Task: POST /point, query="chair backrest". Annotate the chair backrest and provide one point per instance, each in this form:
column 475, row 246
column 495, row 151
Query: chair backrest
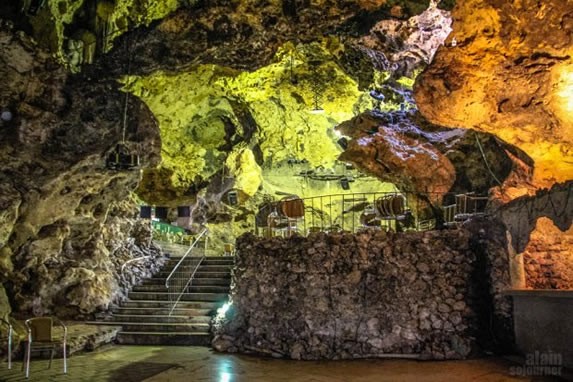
column 41, row 328
column 292, row 207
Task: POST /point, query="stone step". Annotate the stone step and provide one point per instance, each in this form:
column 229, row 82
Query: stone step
column 159, row 338
column 164, row 311
column 163, row 327
column 162, row 296
column 191, row 289
column 196, row 281
column 202, row 268
column 200, row 274
column 158, row 304
column 223, row 260
column 181, row 319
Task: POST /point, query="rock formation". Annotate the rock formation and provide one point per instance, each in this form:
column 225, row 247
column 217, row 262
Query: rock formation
column 506, row 69
column 62, row 216
column 424, row 159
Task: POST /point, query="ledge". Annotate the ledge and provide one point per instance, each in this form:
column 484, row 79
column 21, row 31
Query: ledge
column 552, row 293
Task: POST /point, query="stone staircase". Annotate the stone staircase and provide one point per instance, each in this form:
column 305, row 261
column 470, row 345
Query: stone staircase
column 145, row 319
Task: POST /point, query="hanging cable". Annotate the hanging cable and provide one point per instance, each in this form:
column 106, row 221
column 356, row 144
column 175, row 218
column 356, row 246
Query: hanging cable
column 485, row 160
column 124, row 123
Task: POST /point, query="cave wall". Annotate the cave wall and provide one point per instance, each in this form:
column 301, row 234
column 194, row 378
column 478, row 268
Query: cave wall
column 64, row 215
column 540, row 228
column 521, row 215
column 341, row 296
column 548, row 257
column 507, row 69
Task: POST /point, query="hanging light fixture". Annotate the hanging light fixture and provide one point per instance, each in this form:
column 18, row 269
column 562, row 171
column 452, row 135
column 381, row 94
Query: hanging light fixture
column 121, row 158
column 317, row 88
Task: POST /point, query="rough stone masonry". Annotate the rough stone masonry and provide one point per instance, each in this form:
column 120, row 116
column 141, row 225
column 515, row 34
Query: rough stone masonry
column 342, row 295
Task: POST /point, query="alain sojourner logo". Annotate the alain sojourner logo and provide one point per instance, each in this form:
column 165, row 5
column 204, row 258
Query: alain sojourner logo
column 539, row 364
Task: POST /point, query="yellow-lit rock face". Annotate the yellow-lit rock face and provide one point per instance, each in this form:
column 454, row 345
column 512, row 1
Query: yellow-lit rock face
column 245, row 171
column 507, row 69
column 109, row 18
column 211, row 116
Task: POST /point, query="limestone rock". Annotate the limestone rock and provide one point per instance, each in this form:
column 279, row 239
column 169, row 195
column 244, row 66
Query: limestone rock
column 56, row 250
column 508, row 74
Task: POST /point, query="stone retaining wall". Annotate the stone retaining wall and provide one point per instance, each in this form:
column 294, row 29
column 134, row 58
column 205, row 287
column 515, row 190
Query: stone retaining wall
column 343, row 296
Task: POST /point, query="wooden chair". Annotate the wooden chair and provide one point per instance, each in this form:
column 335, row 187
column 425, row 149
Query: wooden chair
column 40, row 338
column 9, row 340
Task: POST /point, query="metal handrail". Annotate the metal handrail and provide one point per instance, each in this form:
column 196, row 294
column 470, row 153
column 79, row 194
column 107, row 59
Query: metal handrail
column 134, row 260
column 10, row 331
column 177, row 276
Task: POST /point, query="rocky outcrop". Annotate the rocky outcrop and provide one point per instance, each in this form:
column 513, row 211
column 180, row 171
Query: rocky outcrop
column 521, row 215
column 424, row 159
column 60, row 215
column 504, row 71
column 366, row 295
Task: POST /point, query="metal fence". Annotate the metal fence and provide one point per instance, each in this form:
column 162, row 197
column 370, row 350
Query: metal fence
column 357, row 211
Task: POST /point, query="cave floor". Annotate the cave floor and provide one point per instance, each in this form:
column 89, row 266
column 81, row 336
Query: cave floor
column 162, row 364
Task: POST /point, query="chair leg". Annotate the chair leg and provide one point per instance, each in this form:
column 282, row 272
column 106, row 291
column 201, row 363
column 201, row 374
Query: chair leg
column 51, row 357
column 65, row 359
column 28, row 351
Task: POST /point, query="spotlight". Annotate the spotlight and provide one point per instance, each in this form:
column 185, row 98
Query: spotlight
column 343, row 143
column 344, row 183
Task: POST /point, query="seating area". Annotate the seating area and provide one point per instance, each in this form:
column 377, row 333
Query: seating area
column 78, row 336
column 353, row 212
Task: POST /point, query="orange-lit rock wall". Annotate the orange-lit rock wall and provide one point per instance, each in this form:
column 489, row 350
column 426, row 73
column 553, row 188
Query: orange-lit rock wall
column 507, row 69
column 548, row 257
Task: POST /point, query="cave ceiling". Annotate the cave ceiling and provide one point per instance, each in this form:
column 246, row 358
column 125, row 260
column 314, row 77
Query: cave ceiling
column 224, row 78
column 215, row 94
column 509, row 72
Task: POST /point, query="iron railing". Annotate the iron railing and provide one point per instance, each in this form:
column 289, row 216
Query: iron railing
column 352, row 212
column 465, row 207
column 184, row 271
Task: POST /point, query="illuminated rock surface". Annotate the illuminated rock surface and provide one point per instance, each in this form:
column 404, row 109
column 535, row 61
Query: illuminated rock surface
column 510, row 73
column 421, row 158
column 548, row 257
column 65, row 218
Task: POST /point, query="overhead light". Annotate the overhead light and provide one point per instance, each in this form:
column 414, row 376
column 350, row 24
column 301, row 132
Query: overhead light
column 317, row 110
